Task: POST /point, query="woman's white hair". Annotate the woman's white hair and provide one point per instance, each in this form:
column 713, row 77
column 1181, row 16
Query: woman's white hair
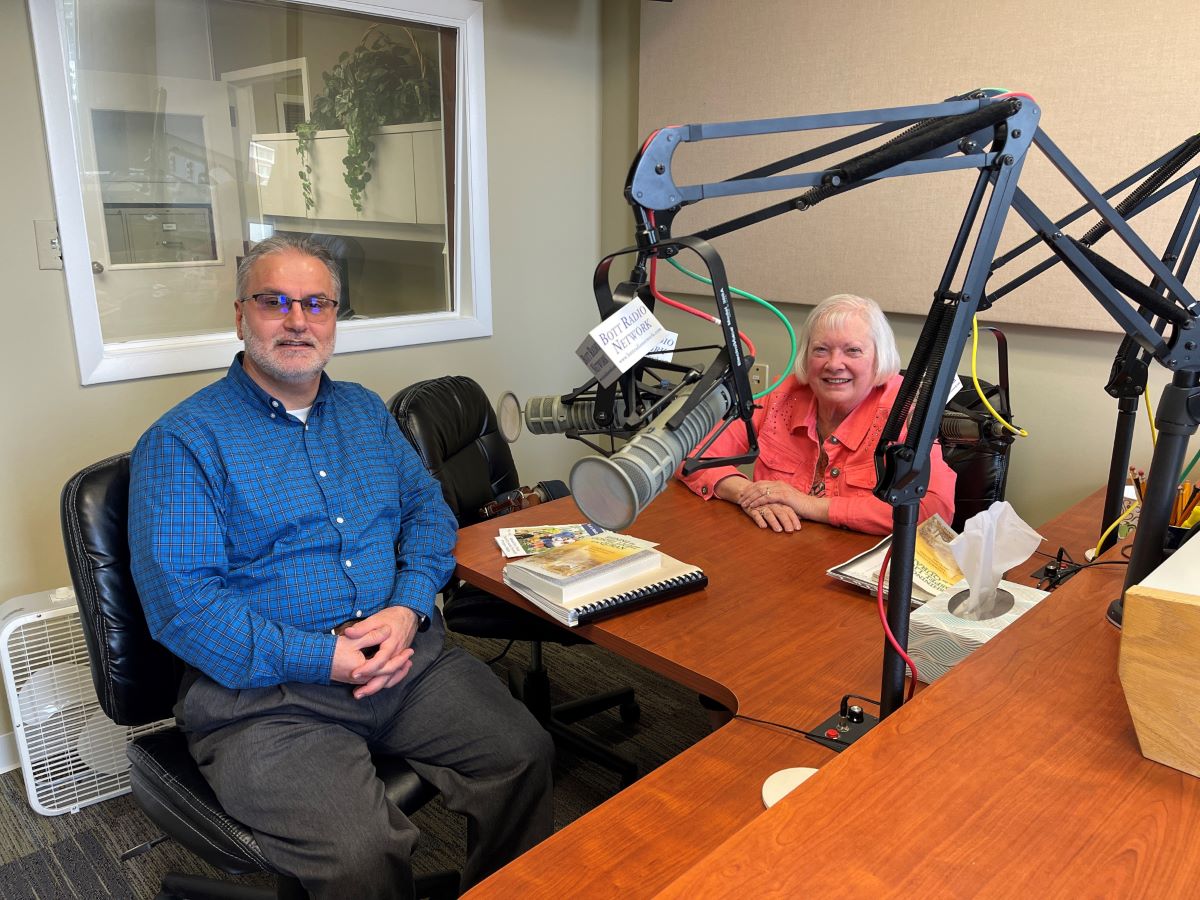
column 833, row 313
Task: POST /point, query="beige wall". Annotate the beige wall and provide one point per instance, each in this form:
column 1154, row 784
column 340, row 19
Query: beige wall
column 543, row 111
column 1110, row 111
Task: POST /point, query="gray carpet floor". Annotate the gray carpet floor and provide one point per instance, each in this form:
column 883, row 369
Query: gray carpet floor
column 77, row 855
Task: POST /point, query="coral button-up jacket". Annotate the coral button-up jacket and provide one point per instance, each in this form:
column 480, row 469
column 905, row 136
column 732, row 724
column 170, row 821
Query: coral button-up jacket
column 788, row 451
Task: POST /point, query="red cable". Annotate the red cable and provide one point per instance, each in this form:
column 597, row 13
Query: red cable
column 1028, row 97
column 887, row 631
column 658, row 295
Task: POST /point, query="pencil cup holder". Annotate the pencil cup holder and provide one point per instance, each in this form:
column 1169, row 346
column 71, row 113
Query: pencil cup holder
column 1175, row 536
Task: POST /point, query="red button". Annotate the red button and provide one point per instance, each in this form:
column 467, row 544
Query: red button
column 832, row 734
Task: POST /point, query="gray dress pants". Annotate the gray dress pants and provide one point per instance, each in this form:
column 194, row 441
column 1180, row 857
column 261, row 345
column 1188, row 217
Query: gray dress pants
column 293, row 764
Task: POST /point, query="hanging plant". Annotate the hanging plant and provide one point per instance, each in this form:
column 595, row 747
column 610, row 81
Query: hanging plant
column 379, row 82
column 305, row 133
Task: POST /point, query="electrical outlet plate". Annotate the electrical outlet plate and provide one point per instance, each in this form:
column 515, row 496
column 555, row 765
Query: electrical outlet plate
column 759, row 377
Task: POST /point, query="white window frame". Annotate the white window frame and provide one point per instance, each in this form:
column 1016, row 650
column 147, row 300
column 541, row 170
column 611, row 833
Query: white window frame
column 472, row 317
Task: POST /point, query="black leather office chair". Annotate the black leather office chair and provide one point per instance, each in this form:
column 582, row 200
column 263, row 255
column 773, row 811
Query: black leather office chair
column 452, row 425
column 137, row 680
column 974, row 445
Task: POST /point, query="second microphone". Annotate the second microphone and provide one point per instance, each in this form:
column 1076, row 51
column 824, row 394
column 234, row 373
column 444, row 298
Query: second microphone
column 613, row 491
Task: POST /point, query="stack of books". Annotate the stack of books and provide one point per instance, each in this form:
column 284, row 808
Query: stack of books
column 598, row 576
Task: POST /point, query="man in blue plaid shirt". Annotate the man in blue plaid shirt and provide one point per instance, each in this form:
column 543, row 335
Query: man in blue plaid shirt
column 287, row 544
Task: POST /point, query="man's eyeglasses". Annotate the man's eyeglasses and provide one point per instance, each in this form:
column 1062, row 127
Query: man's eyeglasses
column 277, row 306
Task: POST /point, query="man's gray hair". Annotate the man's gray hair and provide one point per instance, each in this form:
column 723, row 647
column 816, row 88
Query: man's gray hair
column 833, row 313
column 297, row 243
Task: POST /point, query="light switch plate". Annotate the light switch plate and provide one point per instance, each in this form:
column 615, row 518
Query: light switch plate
column 49, row 250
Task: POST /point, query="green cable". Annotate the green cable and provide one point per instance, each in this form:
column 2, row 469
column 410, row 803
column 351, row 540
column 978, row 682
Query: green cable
column 786, row 324
column 1190, row 466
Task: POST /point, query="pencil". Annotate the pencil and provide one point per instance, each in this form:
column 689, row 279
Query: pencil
column 1138, row 486
column 1177, row 507
column 1192, row 502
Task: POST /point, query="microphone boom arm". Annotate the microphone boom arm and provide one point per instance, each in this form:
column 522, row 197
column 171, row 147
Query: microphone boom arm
column 932, row 138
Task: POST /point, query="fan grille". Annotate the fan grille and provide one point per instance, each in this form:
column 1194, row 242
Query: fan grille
column 72, row 755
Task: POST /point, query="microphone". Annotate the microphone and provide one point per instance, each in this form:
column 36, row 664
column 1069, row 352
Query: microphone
column 962, row 428
column 613, row 491
column 549, row 415
column 522, row 497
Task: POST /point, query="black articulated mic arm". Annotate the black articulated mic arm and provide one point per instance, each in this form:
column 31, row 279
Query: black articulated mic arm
column 985, row 130
column 1130, row 369
column 988, row 131
column 1163, row 324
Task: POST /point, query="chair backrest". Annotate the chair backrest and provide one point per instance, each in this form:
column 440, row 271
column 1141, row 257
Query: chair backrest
column 980, row 464
column 451, row 424
column 136, row 678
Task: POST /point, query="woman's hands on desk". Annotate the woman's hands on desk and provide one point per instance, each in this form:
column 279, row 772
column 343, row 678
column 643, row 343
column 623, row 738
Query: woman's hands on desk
column 772, row 494
column 765, row 507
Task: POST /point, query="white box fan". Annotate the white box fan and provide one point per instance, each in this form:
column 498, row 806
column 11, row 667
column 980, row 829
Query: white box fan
column 72, row 754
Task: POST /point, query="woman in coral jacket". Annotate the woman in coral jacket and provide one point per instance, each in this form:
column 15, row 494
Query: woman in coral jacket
column 817, row 431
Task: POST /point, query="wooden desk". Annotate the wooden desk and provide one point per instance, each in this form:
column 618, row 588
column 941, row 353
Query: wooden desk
column 772, row 636
column 1018, row 775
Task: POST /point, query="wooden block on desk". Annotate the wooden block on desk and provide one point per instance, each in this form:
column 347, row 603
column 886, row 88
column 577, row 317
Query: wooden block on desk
column 1160, row 661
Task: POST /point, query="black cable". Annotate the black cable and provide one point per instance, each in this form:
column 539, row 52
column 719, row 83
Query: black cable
column 819, row 738
column 870, row 700
column 1073, row 569
column 499, row 656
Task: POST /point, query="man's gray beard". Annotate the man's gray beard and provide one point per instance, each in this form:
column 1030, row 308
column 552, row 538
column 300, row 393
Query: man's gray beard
column 257, row 351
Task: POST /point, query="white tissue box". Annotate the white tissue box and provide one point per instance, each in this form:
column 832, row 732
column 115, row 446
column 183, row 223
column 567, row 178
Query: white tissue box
column 938, row 639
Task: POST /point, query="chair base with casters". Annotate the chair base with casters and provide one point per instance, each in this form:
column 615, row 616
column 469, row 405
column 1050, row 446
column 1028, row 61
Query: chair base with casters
column 532, row 687
column 451, row 424
column 136, row 680
column 470, row 611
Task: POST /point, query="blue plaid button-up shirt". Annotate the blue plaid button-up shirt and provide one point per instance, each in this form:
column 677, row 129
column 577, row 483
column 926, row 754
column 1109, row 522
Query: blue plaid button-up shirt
column 253, row 533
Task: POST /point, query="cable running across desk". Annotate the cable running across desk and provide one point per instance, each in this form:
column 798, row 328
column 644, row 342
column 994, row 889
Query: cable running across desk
column 819, row 738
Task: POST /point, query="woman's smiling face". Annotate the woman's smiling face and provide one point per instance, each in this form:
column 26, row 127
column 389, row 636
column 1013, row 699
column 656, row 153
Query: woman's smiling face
column 841, row 367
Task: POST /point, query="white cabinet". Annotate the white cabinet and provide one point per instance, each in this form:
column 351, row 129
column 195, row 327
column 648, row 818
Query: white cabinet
column 277, row 168
column 430, row 177
column 407, row 183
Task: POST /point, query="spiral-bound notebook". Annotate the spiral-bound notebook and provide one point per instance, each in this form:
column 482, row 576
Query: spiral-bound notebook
column 670, row 579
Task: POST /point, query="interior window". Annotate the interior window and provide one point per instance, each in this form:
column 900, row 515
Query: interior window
column 199, row 128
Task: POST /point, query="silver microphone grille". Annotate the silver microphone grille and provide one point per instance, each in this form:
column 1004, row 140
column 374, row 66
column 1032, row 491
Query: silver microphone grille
column 549, row 415
column 613, row 492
